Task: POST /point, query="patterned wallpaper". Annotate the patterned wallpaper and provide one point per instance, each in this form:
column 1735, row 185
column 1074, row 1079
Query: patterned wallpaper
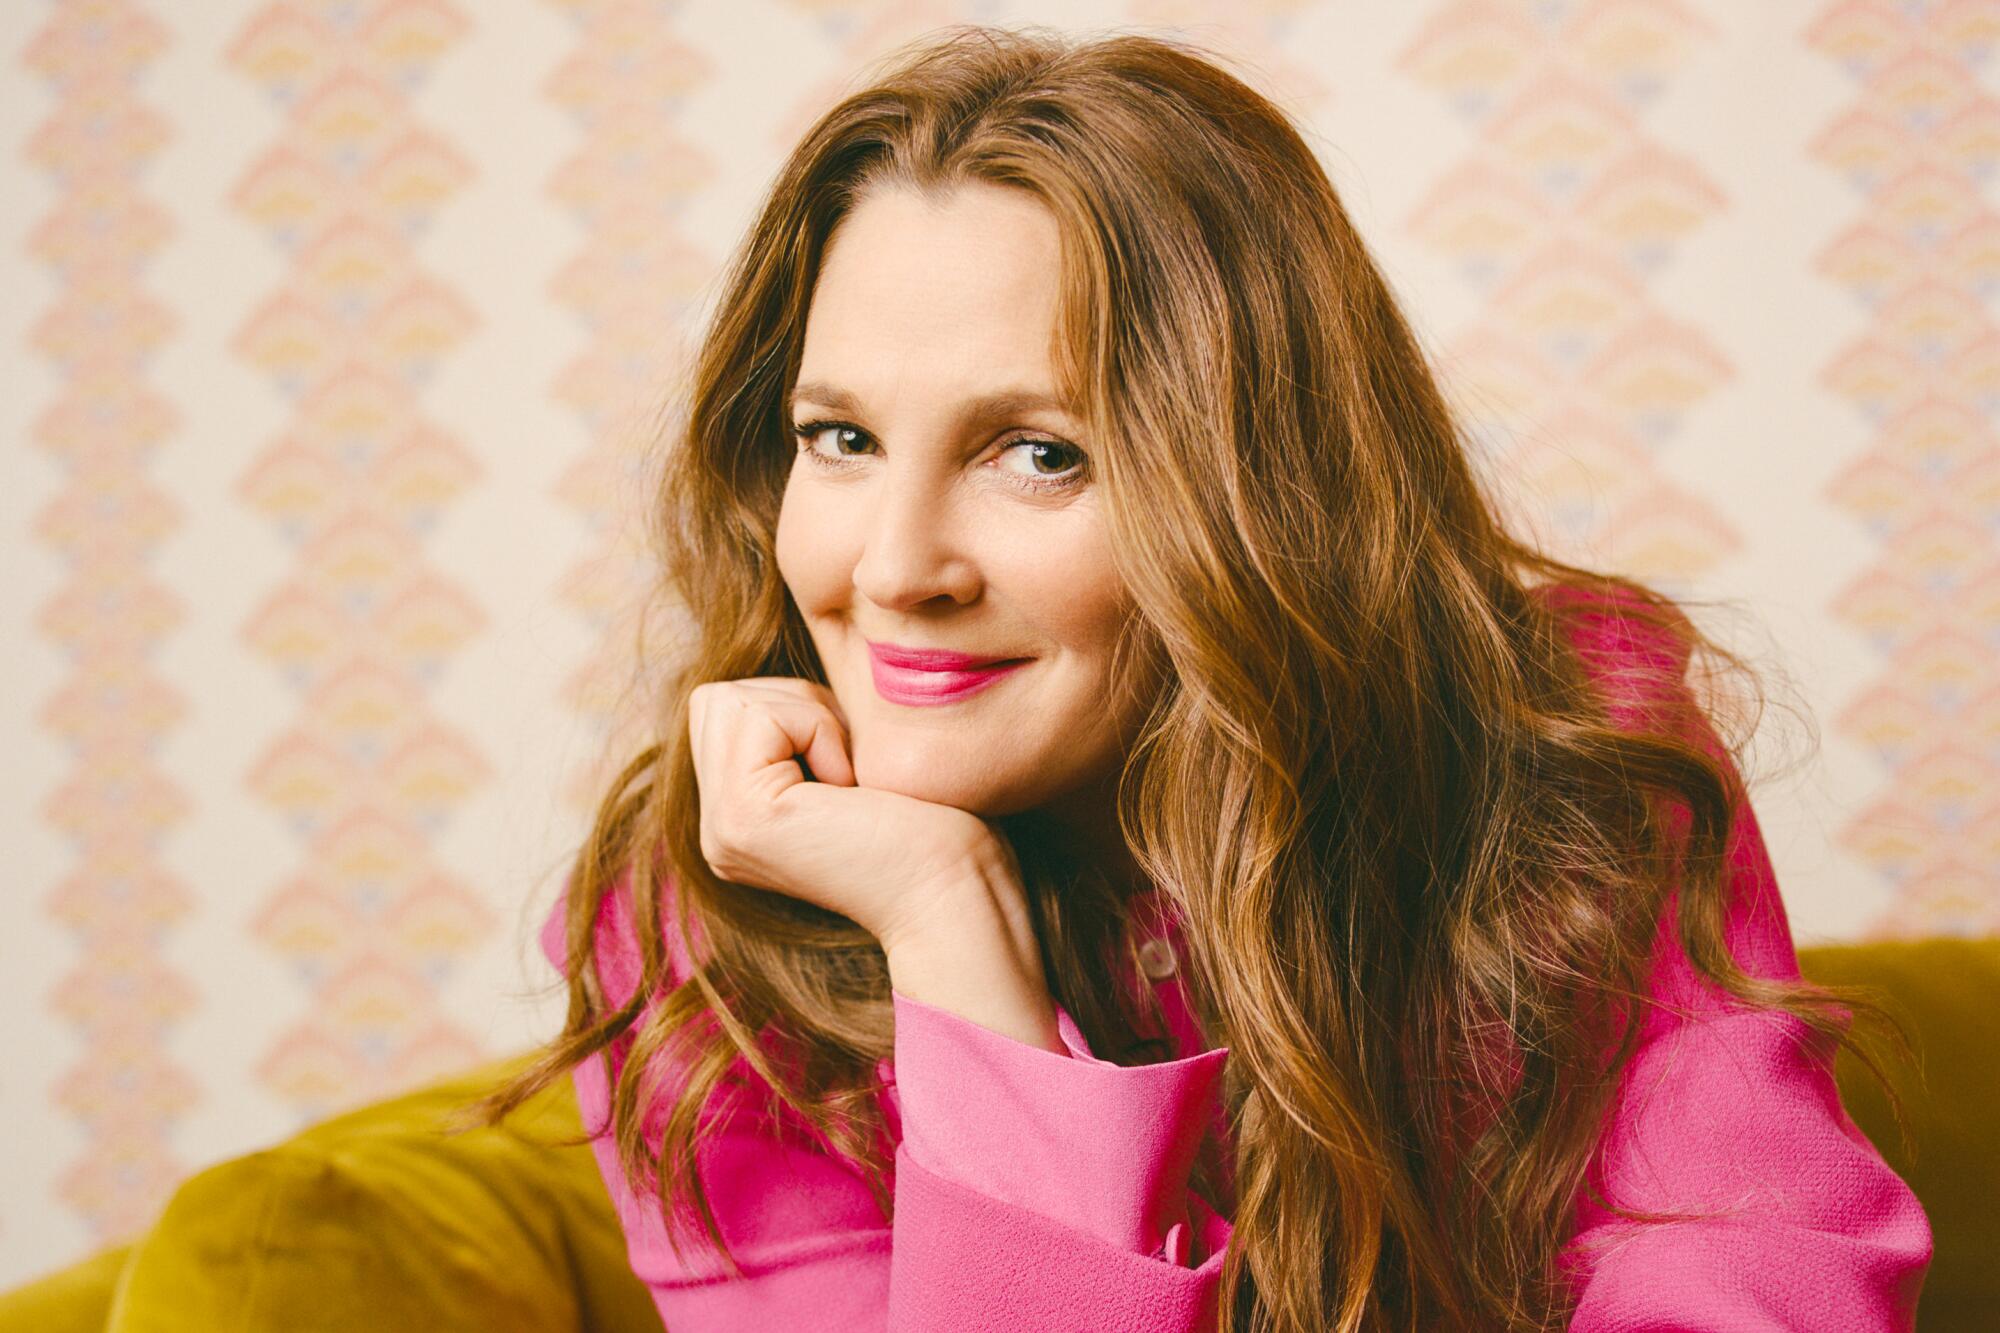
column 335, row 331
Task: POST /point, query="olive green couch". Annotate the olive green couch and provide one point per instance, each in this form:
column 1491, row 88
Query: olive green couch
column 377, row 1221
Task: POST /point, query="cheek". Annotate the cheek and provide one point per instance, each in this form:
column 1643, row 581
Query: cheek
column 1072, row 591
column 803, row 544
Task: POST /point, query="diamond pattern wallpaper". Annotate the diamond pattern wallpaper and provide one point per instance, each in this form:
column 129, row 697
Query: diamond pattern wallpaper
column 337, row 333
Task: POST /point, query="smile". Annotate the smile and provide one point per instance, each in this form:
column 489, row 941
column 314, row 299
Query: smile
column 900, row 684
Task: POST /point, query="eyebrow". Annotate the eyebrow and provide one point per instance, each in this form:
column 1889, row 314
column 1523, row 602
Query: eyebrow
column 987, row 407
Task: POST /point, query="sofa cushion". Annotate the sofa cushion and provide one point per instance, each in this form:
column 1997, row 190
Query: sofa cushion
column 380, row 1219
column 76, row 1299
column 1948, row 989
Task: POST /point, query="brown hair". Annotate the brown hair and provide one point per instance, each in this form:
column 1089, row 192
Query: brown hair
column 1377, row 781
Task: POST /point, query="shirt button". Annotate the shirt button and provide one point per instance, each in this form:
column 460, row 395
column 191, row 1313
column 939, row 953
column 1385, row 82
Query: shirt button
column 1156, row 956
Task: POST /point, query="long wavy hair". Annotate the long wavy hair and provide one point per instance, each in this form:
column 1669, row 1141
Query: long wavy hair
column 1419, row 857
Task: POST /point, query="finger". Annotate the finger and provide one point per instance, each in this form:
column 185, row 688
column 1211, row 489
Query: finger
column 800, row 687
column 773, row 730
column 825, row 751
column 813, row 694
column 715, row 698
column 698, row 701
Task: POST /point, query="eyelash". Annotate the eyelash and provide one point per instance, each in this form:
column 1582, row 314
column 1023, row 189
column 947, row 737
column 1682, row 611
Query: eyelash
column 804, row 432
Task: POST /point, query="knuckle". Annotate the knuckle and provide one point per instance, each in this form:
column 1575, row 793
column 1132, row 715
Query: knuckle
column 717, row 852
column 722, row 842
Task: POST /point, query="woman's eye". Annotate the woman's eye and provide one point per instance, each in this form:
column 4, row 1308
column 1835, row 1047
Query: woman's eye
column 1047, row 460
column 809, row 434
column 1042, row 464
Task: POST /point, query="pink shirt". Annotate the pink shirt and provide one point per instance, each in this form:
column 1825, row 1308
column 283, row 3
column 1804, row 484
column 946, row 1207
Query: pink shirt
column 1035, row 1190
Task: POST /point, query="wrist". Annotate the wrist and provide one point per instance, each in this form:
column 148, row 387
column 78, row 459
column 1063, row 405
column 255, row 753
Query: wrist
column 979, row 893
column 974, row 953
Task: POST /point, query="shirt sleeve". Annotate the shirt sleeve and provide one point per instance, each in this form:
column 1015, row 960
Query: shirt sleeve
column 1031, row 1189
column 1045, row 1190
column 1727, row 1109
column 811, row 1243
column 1738, row 1111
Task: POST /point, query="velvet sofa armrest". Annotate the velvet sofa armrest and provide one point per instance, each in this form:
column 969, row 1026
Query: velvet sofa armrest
column 374, row 1219
column 75, row 1299
column 1947, row 990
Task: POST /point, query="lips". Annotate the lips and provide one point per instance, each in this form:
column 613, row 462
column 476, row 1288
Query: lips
column 922, row 676
column 931, row 659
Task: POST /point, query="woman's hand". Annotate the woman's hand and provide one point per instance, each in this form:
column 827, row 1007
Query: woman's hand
column 889, row 862
column 937, row 886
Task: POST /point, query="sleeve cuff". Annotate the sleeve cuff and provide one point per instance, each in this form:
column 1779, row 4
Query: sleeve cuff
column 963, row 1259
column 1099, row 1147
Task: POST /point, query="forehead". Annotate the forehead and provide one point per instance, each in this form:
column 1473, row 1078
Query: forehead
column 937, row 293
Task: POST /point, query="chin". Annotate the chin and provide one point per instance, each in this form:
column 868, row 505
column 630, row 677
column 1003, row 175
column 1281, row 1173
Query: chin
column 940, row 783
column 922, row 773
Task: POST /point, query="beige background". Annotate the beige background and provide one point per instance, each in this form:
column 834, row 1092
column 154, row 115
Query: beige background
column 330, row 335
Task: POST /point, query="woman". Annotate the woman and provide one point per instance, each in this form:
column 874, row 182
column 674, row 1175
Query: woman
column 1132, row 842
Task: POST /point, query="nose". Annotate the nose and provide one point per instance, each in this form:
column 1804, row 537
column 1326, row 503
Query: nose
column 913, row 552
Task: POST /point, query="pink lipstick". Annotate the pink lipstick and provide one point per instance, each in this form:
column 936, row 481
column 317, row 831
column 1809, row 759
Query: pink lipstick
column 922, row 676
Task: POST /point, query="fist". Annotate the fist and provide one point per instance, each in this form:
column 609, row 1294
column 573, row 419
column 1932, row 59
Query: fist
column 892, row 864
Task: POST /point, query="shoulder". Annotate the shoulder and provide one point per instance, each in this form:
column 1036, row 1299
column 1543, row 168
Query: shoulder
column 1636, row 651
column 1621, row 632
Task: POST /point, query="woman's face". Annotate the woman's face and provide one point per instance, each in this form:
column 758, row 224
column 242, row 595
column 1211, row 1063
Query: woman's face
column 941, row 500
